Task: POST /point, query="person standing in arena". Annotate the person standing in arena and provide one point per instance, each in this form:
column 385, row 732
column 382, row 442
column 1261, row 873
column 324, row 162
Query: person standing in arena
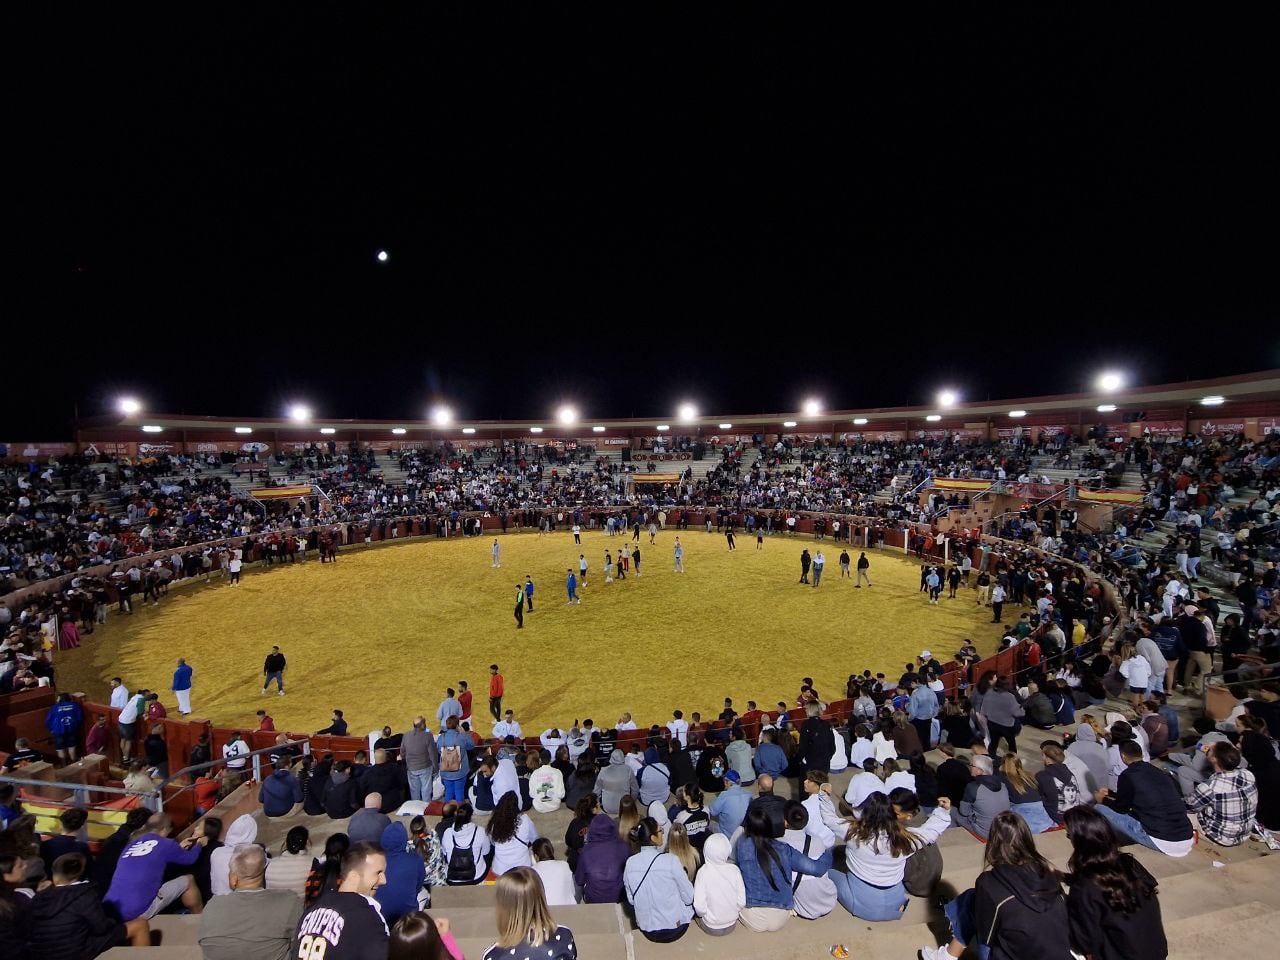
column 528, row 592
column 571, row 587
column 844, row 565
column 234, row 565
column 679, row 554
column 582, row 570
column 635, row 558
column 497, row 553
column 497, row 688
column 577, row 535
column 519, row 611
column 182, row 687
column 273, row 669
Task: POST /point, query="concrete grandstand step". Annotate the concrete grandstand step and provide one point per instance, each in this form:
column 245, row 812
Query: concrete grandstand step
column 1215, row 888
column 1230, row 928
column 800, row 939
column 449, row 898
column 175, row 930
column 481, row 921
column 188, row 952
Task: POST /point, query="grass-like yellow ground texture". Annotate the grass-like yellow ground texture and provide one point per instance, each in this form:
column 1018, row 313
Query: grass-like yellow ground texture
column 381, row 633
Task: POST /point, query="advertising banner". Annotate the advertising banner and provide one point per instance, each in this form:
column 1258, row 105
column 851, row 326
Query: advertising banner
column 1217, row 428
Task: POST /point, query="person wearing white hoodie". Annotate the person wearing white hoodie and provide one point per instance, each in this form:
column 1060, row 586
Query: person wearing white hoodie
column 718, row 891
column 244, row 829
column 546, row 784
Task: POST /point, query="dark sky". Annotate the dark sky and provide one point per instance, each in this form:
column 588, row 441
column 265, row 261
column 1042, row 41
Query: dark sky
column 737, row 208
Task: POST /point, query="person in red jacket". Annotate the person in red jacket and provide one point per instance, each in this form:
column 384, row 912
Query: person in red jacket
column 266, row 724
column 496, row 690
column 464, row 698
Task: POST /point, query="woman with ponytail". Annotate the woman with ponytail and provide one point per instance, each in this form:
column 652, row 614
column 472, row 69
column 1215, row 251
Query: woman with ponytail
column 657, row 886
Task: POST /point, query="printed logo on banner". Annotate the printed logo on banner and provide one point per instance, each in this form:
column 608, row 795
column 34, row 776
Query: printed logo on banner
column 616, row 441
column 256, row 446
column 149, row 448
column 1210, row 429
column 206, row 448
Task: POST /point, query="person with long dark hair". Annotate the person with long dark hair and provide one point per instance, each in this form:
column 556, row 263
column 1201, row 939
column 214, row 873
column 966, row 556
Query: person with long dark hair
column 325, row 870
column 512, row 834
column 417, row 936
column 1016, row 908
column 768, row 868
column 1112, row 906
column 470, row 842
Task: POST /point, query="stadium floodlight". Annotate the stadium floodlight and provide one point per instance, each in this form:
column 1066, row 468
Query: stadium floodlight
column 788, row 423
column 726, row 426
column 687, row 413
column 597, row 429
column 442, row 416
column 934, row 417
column 244, row 429
column 812, row 407
column 1213, row 401
column 299, row 413
column 468, row 429
column 567, row 415
column 383, row 256
column 1017, row 413
column 535, row 429
column 1110, row 381
column 860, row 422
column 398, row 431
column 948, row 398
column 151, row 428
column 328, row 431
column 1107, row 408
column 664, row 427
column 129, row 405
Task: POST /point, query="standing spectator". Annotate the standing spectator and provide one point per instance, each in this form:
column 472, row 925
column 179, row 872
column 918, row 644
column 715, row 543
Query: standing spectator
column 1001, row 711
column 235, row 752
column 464, row 699
column 182, row 687
column 251, row 922
column 526, row 929
column 63, row 721
column 421, row 759
column 998, row 596
column 346, row 920
column 273, row 669
column 497, row 687
column 127, row 725
column 455, row 763
column 1112, row 906
column 817, row 740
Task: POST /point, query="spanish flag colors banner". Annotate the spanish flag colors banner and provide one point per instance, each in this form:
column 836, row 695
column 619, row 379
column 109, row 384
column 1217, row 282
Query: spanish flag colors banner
column 280, row 493
column 961, row 484
column 1111, row 496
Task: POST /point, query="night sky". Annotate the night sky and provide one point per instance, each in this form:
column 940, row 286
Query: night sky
column 734, row 208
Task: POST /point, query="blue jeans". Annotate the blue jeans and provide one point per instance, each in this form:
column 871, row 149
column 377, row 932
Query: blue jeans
column 867, row 902
column 420, row 784
column 1127, row 826
column 277, row 676
column 1035, row 815
column 964, row 922
column 455, row 789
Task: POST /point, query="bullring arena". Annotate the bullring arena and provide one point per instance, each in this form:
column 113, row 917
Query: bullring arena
column 1067, row 506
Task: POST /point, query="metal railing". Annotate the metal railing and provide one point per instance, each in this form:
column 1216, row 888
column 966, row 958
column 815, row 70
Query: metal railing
column 154, row 798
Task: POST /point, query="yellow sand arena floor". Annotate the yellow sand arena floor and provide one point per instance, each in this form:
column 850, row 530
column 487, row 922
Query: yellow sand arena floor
column 381, row 633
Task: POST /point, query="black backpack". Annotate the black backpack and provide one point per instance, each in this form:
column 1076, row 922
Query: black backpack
column 462, row 862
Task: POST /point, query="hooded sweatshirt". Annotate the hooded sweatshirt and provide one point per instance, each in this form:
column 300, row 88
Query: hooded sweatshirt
column 984, row 798
column 1021, row 912
column 68, row 923
column 718, row 891
column 340, row 795
column 1094, row 755
column 279, row 792
column 244, row 829
column 601, row 862
column 406, row 874
column 614, row 782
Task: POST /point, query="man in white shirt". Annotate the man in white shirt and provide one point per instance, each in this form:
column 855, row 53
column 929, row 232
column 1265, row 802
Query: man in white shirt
column 507, row 727
column 127, row 724
column 119, row 694
column 235, row 752
column 863, row 784
column 552, row 740
column 626, row 723
column 679, row 728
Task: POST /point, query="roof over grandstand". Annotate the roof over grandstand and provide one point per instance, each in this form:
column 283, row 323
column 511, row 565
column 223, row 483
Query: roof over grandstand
column 739, row 212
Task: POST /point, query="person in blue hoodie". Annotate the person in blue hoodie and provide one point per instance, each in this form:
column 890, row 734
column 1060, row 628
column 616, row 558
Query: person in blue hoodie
column 406, row 875
column 279, row 792
column 63, row 721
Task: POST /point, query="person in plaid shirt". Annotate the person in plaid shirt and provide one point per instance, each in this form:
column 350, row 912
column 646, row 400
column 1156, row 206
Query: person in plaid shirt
column 1227, row 802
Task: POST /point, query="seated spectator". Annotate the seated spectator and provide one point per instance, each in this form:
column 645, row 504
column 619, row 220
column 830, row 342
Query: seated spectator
column 654, row 781
column 1155, row 727
column 1039, row 710
column 546, row 785
column 615, row 782
column 1090, row 748
column 466, row 849
column 1062, row 785
column 985, row 798
column 386, row 778
column 876, row 858
column 601, row 862
column 557, row 878
column 957, row 729
column 348, row 913
column 730, row 807
column 769, row 757
column 815, row 897
column 280, row 792
column 1259, row 752
column 366, row 824
column 769, row 868
column 67, row 840
column 862, row 785
column 526, row 929
column 342, row 793
column 251, row 922
column 138, row 888
column 581, row 780
column 952, row 775
column 1025, row 798
column 244, row 829
column 1146, row 807
column 1112, row 906
column 67, row 922
column 104, row 864
column 406, row 875
column 718, row 892
column 575, row 835
column 1226, row 804
column 1016, row 909
column 511, row 833
column 327, row 868
column 774, row 806
column 739, row 755
column 416, row 936
column 657, row 885
column 691, row 813
column 288, row 869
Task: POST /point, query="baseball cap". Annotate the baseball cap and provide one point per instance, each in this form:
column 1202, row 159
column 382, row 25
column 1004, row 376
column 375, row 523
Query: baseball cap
column 732, row 776
column 926, row 655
